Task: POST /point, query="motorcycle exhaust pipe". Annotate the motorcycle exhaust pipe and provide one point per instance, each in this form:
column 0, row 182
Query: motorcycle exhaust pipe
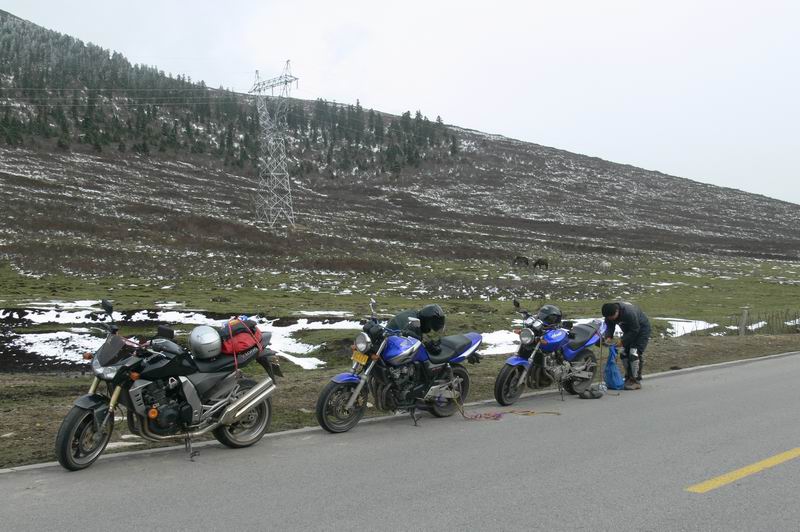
column 147, row 434
column 255, row 395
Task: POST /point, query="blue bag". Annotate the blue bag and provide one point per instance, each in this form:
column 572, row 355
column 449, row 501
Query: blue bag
column 612, row 376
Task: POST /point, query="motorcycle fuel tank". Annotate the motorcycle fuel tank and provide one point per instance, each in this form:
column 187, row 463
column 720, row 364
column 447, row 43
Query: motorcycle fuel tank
column 400, row 350
column 553, row 339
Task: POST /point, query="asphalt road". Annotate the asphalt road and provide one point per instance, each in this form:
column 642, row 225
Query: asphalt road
column 618, row 463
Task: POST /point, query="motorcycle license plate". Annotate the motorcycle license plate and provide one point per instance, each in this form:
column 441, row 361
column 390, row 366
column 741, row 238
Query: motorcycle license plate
column 360, row 357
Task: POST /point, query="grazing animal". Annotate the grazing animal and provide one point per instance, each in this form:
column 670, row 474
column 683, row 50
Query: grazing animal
column 519, row 260
column 605, row 265
column 541, row 263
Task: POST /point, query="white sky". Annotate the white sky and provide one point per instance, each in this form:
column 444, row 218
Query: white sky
column 707, row 90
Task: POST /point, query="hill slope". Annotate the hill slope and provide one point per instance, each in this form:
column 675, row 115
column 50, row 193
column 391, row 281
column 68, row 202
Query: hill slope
column 113, row 168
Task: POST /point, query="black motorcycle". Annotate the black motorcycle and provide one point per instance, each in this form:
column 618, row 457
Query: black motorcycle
column 168, row 395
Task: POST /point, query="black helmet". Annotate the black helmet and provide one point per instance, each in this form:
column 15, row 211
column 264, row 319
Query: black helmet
column 549, row 315
column 431, row 318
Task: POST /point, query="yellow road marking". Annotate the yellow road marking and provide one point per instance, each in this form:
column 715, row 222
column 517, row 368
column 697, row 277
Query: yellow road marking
column 733, row 476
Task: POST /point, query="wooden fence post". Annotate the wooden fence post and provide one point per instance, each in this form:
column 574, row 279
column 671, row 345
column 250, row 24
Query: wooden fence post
column 743, row 321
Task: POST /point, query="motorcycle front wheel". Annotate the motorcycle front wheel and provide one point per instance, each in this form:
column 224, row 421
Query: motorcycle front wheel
column 332, row 412
column 448, row 407
column 506, row 391
column 251, row 427
column 78, row 445
column 578, row 386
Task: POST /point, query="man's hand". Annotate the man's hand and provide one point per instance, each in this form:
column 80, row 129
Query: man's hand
column 612, row 341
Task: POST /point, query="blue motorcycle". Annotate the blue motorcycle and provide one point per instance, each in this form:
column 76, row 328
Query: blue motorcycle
column 550, row 351
column 401, row 373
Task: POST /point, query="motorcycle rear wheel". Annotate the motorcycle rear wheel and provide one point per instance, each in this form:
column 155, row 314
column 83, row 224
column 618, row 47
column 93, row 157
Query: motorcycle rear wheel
column 449, row 407
column 251, row 427
column 332, row 412
column 77, row 444
column 506, row 390
column 578, row 386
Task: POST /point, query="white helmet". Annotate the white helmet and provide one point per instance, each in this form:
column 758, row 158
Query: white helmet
column 205, row 343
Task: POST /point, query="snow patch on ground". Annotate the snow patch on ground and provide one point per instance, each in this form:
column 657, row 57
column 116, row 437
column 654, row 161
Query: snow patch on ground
column 500, row 343
column 680, row 326
column 62, row 345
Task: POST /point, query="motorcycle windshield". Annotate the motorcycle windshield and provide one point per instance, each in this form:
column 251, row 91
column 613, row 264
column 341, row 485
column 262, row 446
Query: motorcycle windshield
column 110, row 351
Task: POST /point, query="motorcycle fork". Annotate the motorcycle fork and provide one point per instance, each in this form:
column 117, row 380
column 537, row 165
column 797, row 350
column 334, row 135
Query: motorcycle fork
column 524, row 375
column 360, row 386
column 94, row 385
column 112, row 405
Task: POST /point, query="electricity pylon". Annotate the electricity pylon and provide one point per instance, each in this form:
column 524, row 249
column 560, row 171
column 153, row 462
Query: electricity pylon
column 274, row 192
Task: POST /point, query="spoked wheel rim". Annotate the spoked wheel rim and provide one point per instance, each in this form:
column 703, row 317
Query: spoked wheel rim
column 85, row 444
column 336, row 413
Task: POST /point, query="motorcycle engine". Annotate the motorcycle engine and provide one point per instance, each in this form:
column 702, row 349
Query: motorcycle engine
column 172, row 410
column 395, row 391
column 403, row 378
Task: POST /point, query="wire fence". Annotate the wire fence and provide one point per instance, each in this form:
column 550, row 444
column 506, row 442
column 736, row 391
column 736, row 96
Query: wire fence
column 764, row 322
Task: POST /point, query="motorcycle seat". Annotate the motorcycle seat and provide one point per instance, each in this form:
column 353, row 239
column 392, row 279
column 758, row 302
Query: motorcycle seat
column 225, row 362
column 450, row 347
column 582, row 333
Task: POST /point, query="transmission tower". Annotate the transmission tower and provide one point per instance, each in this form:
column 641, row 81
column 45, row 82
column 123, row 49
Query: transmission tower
column 274, row 200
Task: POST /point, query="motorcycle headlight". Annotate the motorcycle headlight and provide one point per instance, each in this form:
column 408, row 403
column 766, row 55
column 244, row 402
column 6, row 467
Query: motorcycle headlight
column 363, row 343
column 105, row 373
column 526, row 336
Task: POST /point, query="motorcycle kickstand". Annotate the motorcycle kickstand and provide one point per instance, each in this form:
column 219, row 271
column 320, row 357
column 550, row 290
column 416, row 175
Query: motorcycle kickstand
column 187, row 443
column 561, row 390
column 414, row 416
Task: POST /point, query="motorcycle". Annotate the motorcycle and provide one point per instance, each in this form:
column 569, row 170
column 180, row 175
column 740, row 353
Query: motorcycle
column 167, row 395
column 547, row 355
column 401, row 373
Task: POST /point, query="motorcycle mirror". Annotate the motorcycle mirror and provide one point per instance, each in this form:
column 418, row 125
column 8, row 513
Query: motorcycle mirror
column 107, row 306
column 165, row 332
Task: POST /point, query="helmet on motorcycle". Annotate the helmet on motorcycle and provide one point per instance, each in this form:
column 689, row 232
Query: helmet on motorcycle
column 431, row 318
column 549, row 315
column 204, row 342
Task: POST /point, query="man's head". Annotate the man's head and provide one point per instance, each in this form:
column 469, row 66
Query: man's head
column 611, row 311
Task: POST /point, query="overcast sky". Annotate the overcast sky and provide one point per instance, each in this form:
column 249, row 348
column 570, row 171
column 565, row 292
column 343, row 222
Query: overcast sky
column 701, row 89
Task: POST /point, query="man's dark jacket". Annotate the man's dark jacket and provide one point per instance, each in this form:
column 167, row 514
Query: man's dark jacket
column 634, row 324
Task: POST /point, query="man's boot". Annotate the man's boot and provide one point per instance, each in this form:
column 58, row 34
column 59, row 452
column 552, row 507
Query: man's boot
column 634, row 385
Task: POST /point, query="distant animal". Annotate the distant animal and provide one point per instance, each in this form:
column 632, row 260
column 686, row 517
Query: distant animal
column 541, row 263
column 605, row 265
column 519, row 260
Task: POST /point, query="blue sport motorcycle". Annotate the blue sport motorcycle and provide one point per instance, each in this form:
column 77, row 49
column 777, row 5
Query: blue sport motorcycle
column 556, row 353
column 400, row 373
